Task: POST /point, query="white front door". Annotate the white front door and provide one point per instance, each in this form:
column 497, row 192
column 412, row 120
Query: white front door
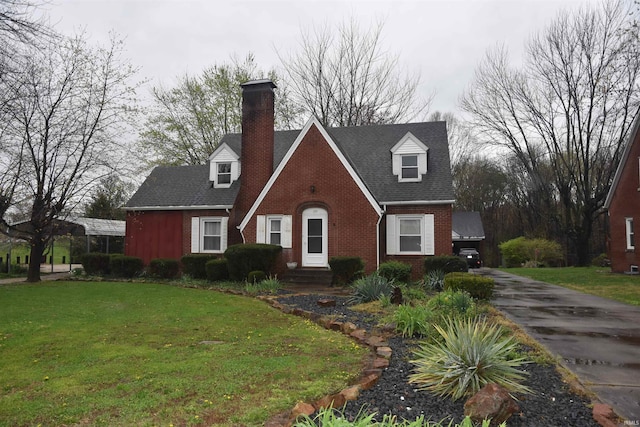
column 314, row 237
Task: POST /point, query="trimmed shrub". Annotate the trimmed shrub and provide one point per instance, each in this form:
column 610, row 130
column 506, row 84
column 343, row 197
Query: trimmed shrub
column 125, row 266
column 370, row 288
column 95, row 264
column 478, row 287
column 164, row 268
column 247, row 257
column 601, row 260
column 397, row 271
column 217, row 270
column 346, row 269
column 471, row 355
column 445, row 263
column 256, row 276
column 534, row 252
column 194, row 265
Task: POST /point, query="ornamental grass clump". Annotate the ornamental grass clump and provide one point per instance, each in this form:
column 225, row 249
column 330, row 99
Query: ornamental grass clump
column 370, row 288
column 471, row 355
column 413, row 321
column 452, row 304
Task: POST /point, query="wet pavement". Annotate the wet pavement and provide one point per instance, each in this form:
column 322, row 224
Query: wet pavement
column 597, row 339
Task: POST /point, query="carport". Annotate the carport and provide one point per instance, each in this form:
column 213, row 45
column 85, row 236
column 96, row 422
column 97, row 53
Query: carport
column 79, row 226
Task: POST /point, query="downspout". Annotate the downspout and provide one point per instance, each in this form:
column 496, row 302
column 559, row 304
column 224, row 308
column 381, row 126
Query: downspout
column 237, row 227
column 384, row 211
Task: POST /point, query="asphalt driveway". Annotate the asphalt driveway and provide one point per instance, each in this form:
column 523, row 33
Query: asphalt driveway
column 598, row 339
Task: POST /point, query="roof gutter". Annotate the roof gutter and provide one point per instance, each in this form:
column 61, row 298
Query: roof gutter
column 176, row 208
column 418, row 202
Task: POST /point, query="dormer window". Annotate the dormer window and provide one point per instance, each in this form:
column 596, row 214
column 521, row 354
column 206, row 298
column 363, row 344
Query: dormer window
column 224, row 173
column 224, row 167
column 409, row 166
column 409, row 159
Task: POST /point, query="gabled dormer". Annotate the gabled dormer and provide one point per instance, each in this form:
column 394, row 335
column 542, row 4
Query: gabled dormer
column 409, row 159
column 224, row 167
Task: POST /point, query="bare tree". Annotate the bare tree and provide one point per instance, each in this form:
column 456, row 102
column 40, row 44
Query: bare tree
column 462, row 143
column 349, row 80
column 60, row 133
column 187, row 121
column 570, row 108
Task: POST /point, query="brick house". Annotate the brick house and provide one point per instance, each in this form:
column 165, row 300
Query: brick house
column 623, row 206
column 379, row 192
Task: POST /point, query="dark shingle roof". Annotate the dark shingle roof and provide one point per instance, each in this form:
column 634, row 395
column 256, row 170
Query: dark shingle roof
column 367, row 148
column 468, row 225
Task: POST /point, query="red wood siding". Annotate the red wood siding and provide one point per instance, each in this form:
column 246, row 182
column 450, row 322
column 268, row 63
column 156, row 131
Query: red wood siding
column 154, row 234
column 315, row 177
column 625, row 204
column 442, row 239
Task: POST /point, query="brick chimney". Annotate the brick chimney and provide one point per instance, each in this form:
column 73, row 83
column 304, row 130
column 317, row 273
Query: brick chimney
column 256, row 159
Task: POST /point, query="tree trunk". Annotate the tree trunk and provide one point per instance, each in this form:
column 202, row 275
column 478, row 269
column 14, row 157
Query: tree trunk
column 37, row 244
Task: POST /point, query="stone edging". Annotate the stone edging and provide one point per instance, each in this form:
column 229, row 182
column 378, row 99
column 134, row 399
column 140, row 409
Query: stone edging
column 381, row 354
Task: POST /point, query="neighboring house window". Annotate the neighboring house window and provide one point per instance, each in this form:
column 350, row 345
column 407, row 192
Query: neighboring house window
column 208, row 234
column 274, row 229
column 410, row 166
column 411, row 234
column 224, row 173
column 630, row 235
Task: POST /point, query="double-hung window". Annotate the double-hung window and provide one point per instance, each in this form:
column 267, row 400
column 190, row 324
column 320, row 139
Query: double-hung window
column 630, row 234
column 274, row 225
column 208, row 234
column 211, row 235
column 224, row 173
column 410, row 166
column 412, row 234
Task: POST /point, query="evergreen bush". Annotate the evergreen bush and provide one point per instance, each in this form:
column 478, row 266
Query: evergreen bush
column 95, row 264
column 217, row 270
column 346, row 269
column 478, row 287
column 397, row 271
column 247, row 257
column 164, row 268
column 125, row 266
column 194, row 265
column 445, row 263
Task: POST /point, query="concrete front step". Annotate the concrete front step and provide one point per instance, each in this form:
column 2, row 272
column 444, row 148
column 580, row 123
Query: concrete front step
column 318, row 276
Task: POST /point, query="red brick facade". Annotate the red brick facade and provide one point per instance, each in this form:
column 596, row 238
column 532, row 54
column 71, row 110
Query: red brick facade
column 442, row 235
column 154, row 234
column 315, row 177
column 624, row 204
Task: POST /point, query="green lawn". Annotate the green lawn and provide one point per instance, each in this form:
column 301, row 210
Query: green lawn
column 591, row 280
column 133, row 354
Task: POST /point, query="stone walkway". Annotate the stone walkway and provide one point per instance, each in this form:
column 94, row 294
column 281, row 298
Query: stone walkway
column 596, row 338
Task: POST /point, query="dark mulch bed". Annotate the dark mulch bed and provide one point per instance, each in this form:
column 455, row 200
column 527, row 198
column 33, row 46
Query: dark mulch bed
column 553, row 403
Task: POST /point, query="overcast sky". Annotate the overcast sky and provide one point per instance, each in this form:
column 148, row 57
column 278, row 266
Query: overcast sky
column 443, row 41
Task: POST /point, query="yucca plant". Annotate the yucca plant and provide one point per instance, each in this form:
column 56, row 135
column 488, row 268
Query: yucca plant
column 270, row 285
column 331, row 417
column 434, row 280
column 471, row 355
column 370, row 288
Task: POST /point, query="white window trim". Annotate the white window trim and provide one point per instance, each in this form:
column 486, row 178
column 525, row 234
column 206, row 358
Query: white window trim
column 418, row 178
column 197, row 234
column 263, row 229
column 629, row 233
column 427, row 232
column 218, row 184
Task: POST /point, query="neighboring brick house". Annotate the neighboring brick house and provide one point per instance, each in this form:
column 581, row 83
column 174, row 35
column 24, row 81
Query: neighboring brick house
column 623, row 206
column 379, row 192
